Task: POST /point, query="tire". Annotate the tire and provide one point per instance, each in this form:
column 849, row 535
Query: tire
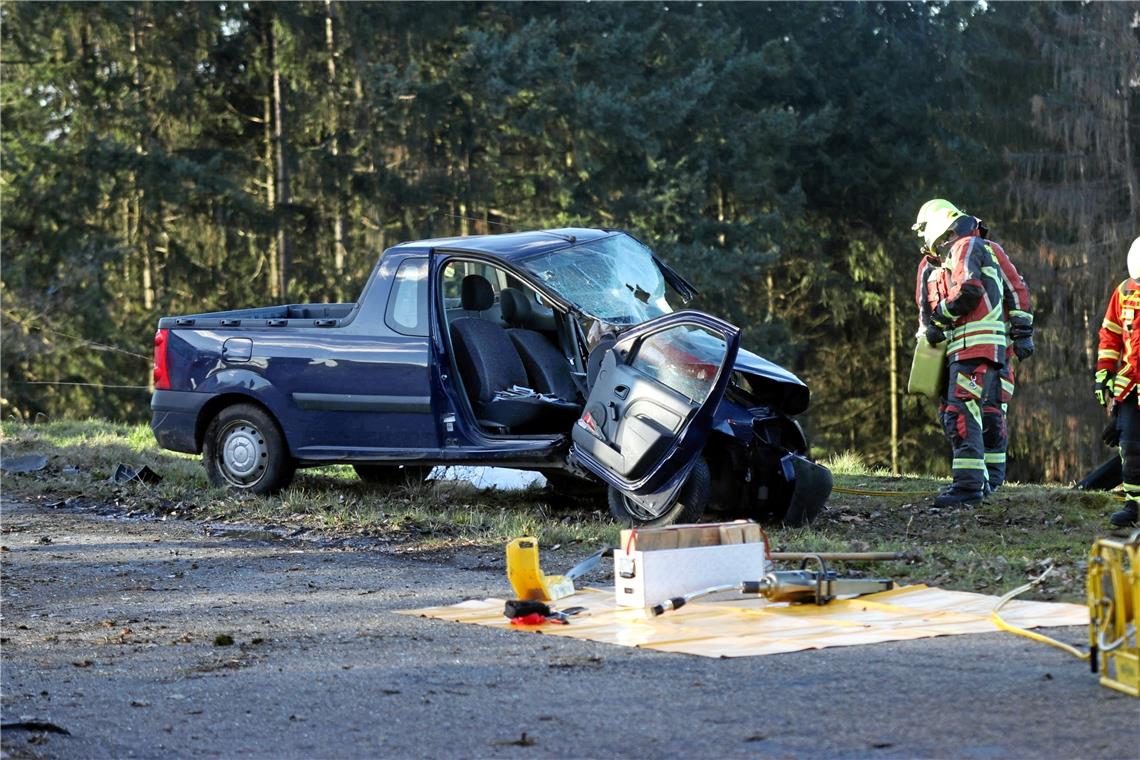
column 689, row 506
column 244, row 449
column 392, row 475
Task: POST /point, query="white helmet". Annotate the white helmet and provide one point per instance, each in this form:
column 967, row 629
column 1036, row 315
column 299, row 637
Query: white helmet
column 941, row 220
column 924, row 213
column 1134, row 260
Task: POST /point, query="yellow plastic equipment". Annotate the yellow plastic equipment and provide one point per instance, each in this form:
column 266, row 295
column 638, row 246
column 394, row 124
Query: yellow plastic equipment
column 527, row 578
column 1114, row 613
column 927, row 369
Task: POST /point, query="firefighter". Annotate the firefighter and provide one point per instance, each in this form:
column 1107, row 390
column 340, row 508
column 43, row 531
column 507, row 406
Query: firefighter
column 1116, row 377
column 1017, row 306
column 964, row 306
column 1017, row 314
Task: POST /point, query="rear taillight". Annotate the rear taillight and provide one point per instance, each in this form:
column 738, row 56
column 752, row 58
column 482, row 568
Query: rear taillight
column 161, row 376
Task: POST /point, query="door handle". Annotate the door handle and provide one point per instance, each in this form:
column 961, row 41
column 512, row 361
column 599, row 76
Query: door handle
column 621, row 391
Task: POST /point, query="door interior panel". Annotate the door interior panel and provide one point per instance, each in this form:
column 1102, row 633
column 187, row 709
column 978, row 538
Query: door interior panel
column 668, row 418
column 652, row 399
column 642, row 441
column 642, row 418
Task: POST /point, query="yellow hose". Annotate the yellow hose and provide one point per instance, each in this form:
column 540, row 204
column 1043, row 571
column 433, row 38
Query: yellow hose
column 996, row 618
column 864, row 492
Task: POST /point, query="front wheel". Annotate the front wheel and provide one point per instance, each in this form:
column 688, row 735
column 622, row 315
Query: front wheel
column 245, row 449
column 688, row 507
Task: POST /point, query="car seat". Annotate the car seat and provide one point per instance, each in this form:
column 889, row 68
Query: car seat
column 488, row 363
column 547, row 367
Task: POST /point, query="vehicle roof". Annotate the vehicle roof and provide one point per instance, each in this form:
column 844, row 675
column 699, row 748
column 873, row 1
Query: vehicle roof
column 508, row 245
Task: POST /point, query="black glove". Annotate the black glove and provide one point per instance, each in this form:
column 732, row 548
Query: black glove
column 522, row 607
column 1019, row 331
column 934, row 334
column 940, row 320
column 1023, row 348
column 1111, row 434
column 1102, row 386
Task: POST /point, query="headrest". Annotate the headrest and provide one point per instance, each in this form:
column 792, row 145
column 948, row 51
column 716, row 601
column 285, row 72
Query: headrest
column 476, row 293
column 515, row 307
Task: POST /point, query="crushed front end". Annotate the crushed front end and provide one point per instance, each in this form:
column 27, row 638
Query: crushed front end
column 759, row 453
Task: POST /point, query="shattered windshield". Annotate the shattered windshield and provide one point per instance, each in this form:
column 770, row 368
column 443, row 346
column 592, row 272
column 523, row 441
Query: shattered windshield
column 614, row 280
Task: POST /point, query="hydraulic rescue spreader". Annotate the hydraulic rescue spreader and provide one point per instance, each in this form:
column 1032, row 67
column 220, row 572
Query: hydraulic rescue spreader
column 1114, row 613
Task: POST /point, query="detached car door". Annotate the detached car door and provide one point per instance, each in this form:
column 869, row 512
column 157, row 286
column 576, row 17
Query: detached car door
column 651, row 407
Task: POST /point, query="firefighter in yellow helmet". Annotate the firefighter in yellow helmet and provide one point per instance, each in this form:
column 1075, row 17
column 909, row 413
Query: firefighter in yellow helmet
column 1116, row 377
column 974, row 343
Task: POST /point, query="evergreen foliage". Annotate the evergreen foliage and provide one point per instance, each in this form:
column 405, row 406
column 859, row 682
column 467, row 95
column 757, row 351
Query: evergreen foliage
column 162, row 158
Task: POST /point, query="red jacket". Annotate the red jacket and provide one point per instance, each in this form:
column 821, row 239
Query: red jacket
column 1120, row 338
column 971, row 300
column 1015, row 294
column 929, row 288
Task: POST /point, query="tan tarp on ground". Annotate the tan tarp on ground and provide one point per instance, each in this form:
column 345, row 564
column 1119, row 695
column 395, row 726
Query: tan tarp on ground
column 742, row 627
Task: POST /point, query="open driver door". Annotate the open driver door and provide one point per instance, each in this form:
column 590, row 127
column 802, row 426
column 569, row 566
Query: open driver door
column 651, row 407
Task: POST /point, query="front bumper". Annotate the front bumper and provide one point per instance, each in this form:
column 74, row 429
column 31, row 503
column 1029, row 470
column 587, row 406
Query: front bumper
column 174, row 419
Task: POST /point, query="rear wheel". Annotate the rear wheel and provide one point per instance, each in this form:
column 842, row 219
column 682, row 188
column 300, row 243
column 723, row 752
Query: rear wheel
column 243, row 448
column 392, row 475
column 689, row 506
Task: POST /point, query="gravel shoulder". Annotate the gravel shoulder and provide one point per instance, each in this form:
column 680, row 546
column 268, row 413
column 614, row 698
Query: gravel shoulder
column 118, row 632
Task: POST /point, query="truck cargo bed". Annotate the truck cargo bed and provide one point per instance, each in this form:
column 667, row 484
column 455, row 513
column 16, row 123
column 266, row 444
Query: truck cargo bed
column 290, row 315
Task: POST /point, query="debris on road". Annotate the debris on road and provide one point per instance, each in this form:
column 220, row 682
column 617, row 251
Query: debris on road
column 126, row 474
column 25, row 463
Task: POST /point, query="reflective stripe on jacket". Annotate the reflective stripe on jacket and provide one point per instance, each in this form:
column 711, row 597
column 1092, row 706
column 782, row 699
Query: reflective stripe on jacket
column 1119, row 349
column 974, row 300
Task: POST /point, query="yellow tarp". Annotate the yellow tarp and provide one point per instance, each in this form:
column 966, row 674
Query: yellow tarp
column 743, row 627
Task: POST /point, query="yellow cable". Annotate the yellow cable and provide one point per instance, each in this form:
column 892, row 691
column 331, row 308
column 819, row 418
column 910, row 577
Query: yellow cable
column 864, row 492
column 996, row 618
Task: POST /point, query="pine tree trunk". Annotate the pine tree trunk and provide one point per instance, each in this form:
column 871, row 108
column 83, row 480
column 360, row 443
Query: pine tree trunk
column 1130, row 162
column 279, row 137
column 141, row 240
column 271, row 196
column 893, row 335
column 339, row 254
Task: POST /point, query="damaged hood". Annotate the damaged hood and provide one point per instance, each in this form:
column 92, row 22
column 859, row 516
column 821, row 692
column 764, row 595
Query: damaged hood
column 792, row 393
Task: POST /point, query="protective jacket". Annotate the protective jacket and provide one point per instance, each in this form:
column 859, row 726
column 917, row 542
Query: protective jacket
column 1016, row 300
column 929, row 288
column 1018, row 308
column 1119, row 350
column 972, row 303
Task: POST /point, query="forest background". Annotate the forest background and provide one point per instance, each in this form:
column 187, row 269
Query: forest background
column 166, row 158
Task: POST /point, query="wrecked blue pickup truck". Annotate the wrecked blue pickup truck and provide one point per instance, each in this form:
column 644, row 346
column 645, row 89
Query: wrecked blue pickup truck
column 555, row 351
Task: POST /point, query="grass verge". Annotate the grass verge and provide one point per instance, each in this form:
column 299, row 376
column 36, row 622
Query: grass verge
column 1015, row 535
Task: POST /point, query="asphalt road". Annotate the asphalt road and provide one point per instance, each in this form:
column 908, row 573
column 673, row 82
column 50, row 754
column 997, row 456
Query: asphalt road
column 109, row 632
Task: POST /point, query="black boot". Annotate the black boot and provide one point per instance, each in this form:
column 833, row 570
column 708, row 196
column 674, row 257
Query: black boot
column 952, row 497
column 1124, row 518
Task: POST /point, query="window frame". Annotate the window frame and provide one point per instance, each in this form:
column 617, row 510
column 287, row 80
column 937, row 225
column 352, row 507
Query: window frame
column 422, row 328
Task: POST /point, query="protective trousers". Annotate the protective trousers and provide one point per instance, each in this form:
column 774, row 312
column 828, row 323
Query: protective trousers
column 1128, row 422
column 972, row 418
column 995, row 433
